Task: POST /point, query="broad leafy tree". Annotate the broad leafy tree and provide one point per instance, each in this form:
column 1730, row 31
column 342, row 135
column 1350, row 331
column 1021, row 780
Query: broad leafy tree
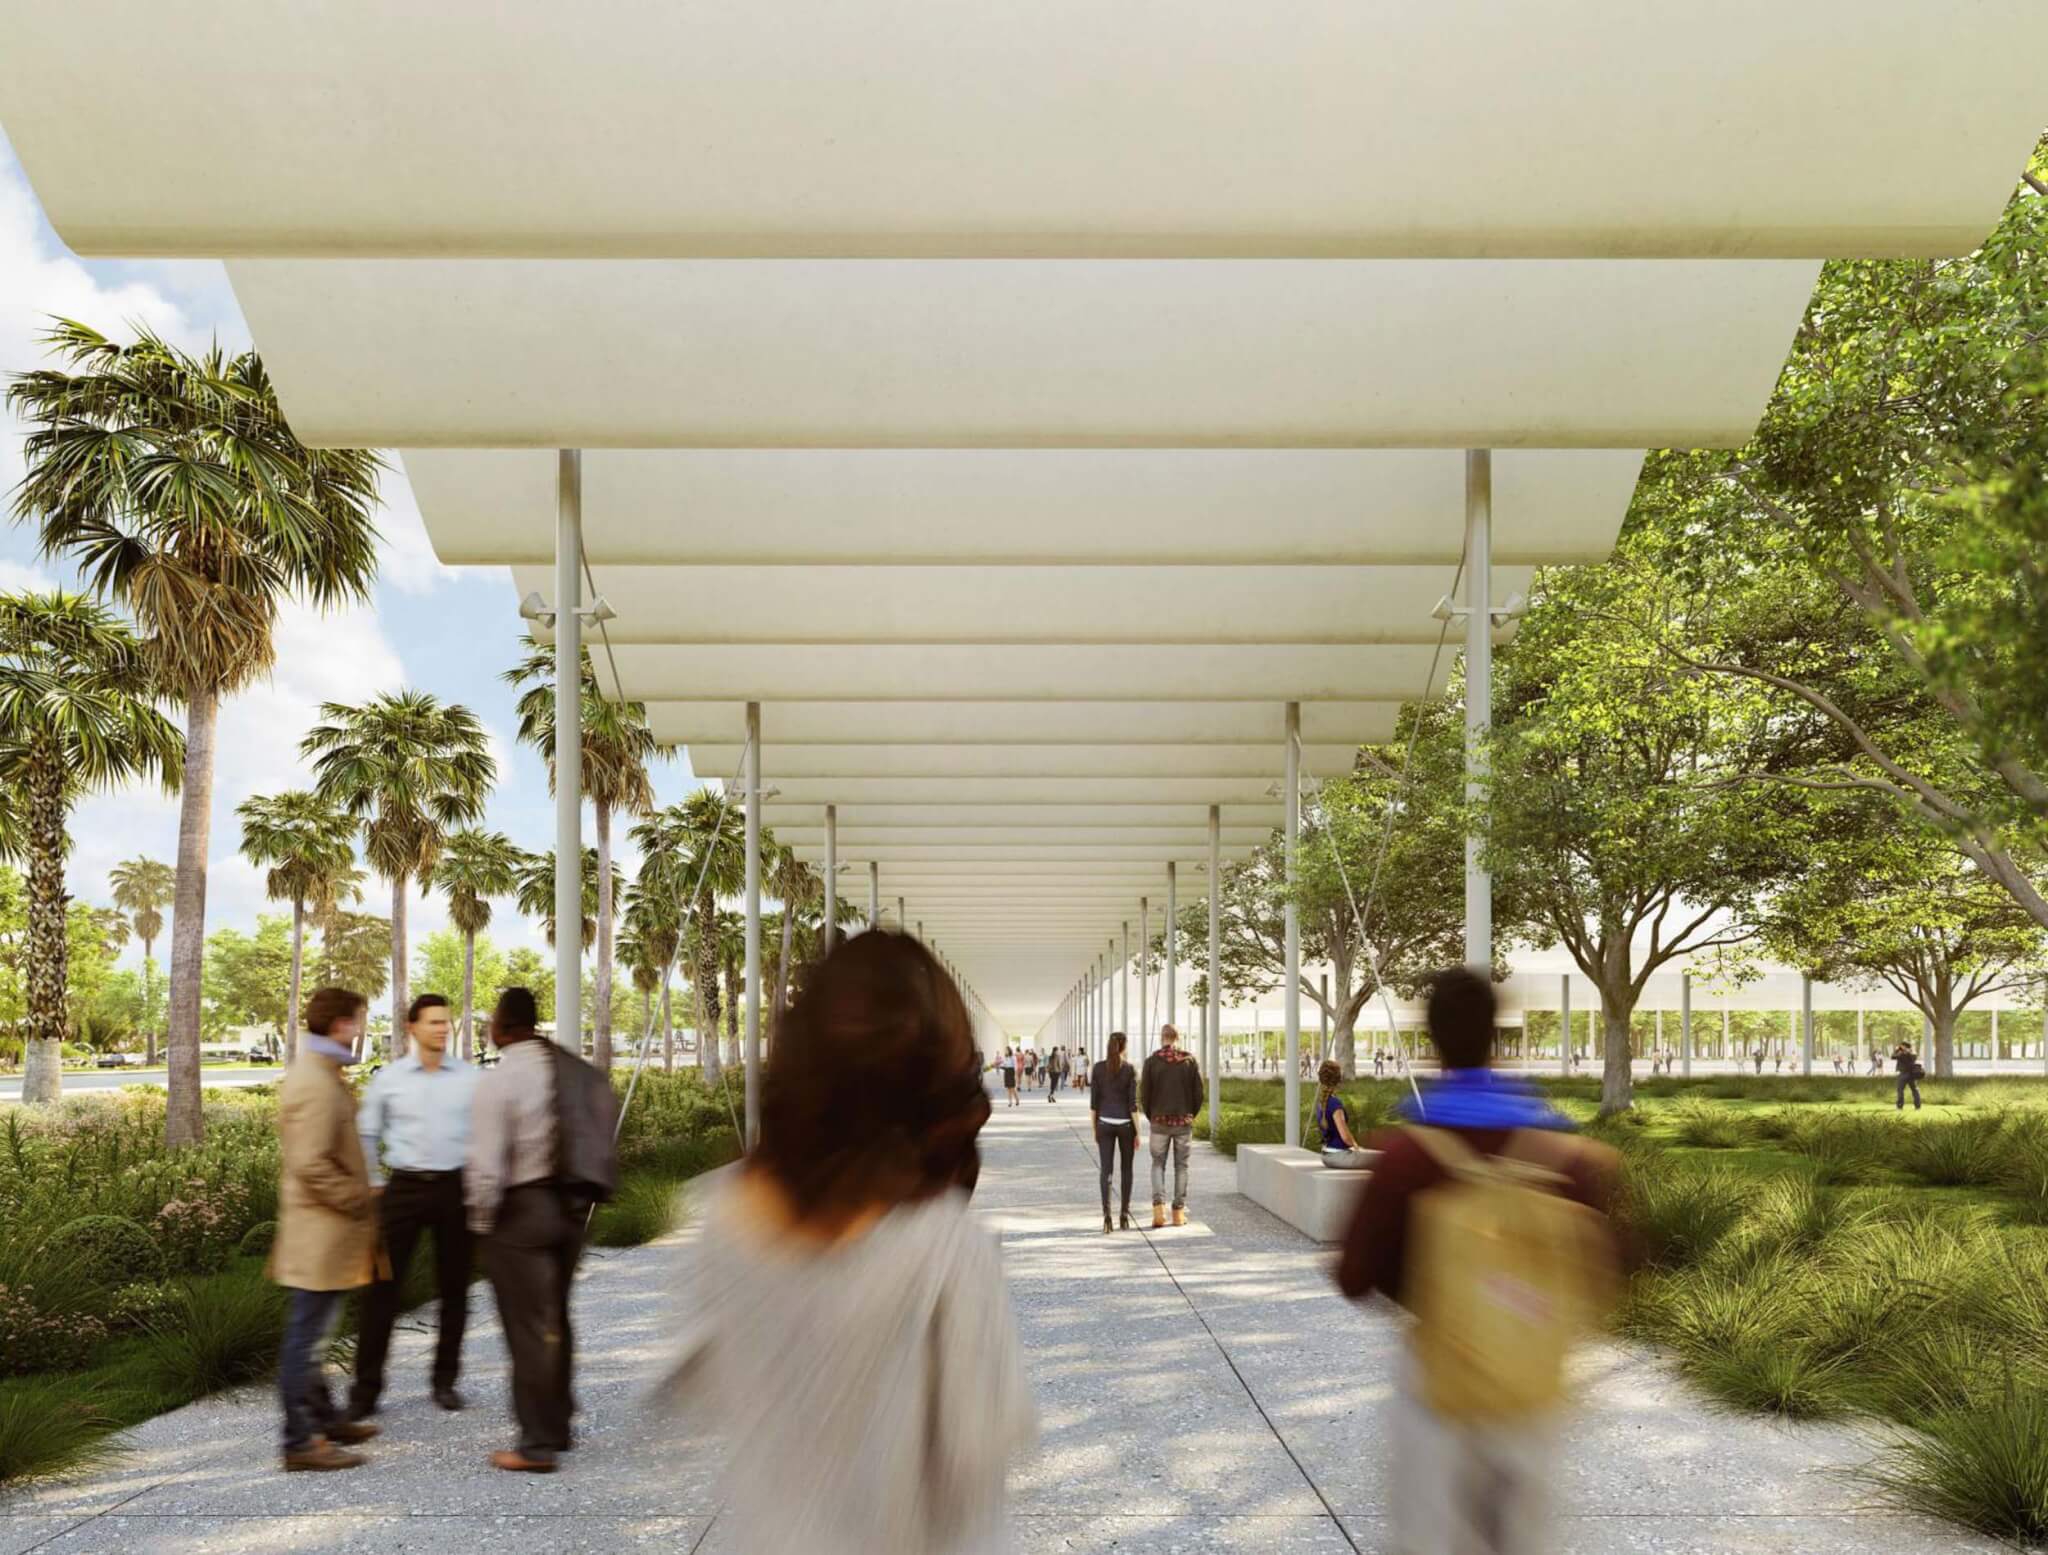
column 175, row 486
column 1618, row 822
column 355, row 952
column 618, row 748
column 475, row 866
column 307, row 847
column 412, row 769
column 78, row 714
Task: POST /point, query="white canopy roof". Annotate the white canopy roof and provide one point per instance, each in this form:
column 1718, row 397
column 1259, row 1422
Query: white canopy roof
column 981, row 128
column 1023, row 402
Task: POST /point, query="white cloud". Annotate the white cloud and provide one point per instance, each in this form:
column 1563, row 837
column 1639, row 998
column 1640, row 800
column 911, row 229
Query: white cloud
column 405, row 556
column 21, row 578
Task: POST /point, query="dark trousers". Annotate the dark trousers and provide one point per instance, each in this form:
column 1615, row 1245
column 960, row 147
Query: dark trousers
column 1113, row 1141
column 530, row 1257
column 301, row 1388
column 1906, row 1082
column 411, row 1204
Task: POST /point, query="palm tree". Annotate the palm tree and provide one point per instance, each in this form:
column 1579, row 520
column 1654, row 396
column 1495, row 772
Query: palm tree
column 536, row 892
column 654, row 926
column 177, row 488
column 77, row 714
column 143, row 888
column 617, row 748
column 474, row 867
column 693, row 853
column 309, row 846
column 412, row 769
column 791, row 882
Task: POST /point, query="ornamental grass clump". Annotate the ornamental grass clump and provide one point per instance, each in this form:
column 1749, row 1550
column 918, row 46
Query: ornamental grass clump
column 1676, row 1215
column 1703, row 1126
column 216, row 1334
column 1985, row 1466
column 1969, row 1152
column 53, row 1426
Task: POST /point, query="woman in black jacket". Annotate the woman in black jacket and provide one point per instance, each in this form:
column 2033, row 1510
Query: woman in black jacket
column 1113, row 1110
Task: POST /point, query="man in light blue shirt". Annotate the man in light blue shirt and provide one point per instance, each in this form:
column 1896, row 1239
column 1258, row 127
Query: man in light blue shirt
column 414, row 1123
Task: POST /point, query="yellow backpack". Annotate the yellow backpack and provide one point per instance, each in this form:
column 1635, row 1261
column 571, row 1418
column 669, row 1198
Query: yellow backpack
column 1503, row 1274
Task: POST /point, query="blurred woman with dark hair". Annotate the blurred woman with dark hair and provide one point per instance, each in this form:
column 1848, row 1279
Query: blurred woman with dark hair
column 844, row 1311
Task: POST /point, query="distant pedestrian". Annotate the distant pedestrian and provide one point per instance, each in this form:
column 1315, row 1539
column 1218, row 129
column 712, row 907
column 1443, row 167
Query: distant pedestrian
column 1170, row 1093
column 1379, row 1063
column 1876, row 1060
column 540, row 1155
column 414, row 1123
column 1759, row 1055
column 326, row 1243
column 1113, row 1117
column 1490, row 1193
column 846, row 1328
column 1055, row 1073
column 1910, row 1073
column 1007, row 1065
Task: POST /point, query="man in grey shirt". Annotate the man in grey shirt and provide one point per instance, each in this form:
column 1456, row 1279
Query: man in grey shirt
column 531, row 1236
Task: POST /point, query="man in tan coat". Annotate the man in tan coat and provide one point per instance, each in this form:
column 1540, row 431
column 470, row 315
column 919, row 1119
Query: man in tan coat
column 326, row 1226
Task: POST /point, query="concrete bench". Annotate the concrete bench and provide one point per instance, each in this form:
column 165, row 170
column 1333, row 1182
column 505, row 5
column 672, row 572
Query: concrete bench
column 1316, row 1200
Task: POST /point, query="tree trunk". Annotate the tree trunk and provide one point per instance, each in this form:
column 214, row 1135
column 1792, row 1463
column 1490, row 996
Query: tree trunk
column 601, row 1012
column 733, row 993
column 42, row 1070
column 782, row 968
column 398, row 989
column 1344, row 1018
column 468, row 998
column 1617, row 1077
column 707, row 1016
column 291, row 1023
column 148, row 1003
column 1944, row 1064
column 183, row 1121
column 668, row 1033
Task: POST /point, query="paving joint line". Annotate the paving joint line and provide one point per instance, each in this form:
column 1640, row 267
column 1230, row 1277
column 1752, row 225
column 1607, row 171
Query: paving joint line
column 1300, row 1468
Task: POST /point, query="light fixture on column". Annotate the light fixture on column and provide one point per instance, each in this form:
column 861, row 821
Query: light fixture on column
column 536, row 609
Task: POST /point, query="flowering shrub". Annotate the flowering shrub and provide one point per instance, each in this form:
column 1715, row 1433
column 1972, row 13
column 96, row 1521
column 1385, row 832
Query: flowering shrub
column 199, row 1228
column 34, row 1340
column 138, row 1305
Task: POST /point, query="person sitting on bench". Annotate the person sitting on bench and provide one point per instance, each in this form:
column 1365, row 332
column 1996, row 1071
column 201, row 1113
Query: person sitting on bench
column 1340, row 1150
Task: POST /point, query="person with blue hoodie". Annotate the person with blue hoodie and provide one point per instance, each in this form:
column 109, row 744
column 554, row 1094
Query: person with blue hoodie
column 1478, row 1487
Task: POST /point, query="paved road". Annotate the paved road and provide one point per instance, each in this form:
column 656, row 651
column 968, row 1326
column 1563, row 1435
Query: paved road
column 76, row 1083
column 1201, row 1391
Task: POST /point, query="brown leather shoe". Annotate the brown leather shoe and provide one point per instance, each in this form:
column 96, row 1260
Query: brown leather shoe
column 1158, row 1216
column 353, row 1431
column 1180, row 1217
column 321, row 1456
column 513, row 1461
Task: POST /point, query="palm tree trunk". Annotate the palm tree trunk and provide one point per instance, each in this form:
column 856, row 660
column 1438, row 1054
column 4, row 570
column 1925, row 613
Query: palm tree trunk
column 468, row 997
column 291, row 1025
column 733, row 993
column 398, row 967
column 668, row 1033
column 706, row 980
column 601, row 1042
column 149, row 1002
column 782, row 964
column 183, row 1123
column 42, row 1072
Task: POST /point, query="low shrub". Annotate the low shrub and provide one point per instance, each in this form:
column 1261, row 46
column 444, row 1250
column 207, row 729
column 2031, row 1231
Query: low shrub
column 1676, row 1215
column 216, row 1333
column 37, row 1338
column 139, row 1305
column 107, row 1251
column 202, row 1225
column 1985, row 1467
column 1966, row 1153
column 256, row 1242
column 47, row 1427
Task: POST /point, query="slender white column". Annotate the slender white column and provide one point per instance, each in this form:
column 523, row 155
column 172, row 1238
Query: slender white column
column 1171, row 1010
column 1685, row 1024
column 1214, row 1059
column 753, row 1049
column 831, row 929
column 1144, row 975
column 1323, row 1017
column 1124, row 977
column 874, row 894
column 902, row 918
column 1478, row 692
column 1292, row 975
column 1564, row 1024
column 1805, row 1024
column 569, row 748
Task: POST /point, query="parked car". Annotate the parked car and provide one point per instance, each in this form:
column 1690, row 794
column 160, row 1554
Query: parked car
column 116, row 1060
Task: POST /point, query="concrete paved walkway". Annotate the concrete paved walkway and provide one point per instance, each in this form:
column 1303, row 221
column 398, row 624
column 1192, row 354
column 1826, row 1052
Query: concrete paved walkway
column 1201, row 1389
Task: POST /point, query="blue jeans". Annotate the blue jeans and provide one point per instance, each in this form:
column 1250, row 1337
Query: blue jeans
column 301, row 1387
column 1907, row 1082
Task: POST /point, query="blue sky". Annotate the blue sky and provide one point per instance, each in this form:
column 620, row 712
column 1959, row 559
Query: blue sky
column 447, row 630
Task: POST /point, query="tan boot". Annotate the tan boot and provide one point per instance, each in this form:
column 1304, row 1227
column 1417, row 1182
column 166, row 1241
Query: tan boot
column 1158, row 1217
column 1180, row 1217
column 321, row 1456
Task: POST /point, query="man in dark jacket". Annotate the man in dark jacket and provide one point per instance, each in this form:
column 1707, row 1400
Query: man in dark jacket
column 1170, row 1093
column 1907, row 1063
